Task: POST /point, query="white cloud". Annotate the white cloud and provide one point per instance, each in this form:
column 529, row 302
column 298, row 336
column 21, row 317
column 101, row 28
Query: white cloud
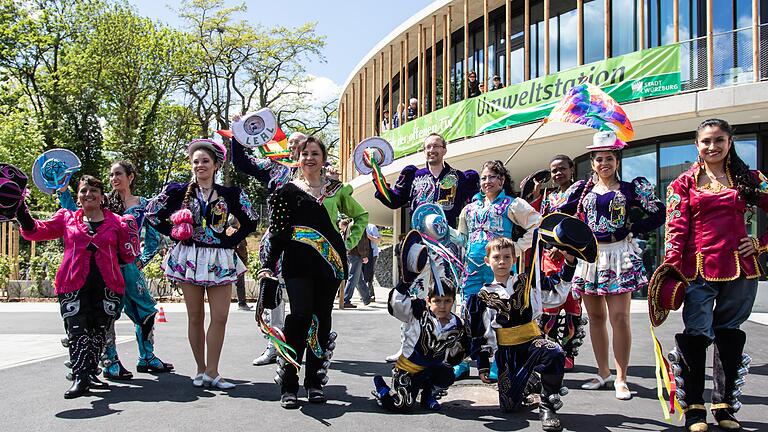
column 323, row 89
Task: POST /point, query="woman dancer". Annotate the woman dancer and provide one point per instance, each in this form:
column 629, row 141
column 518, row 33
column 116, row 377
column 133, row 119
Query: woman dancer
column 138, row 302
column 713, row 196
column 493, row 213
column 304, row 229
column 567, row 327
column 604, row 203
column 203, row 260
column 89, row 283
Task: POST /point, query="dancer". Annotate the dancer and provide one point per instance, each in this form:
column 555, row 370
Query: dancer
column 304, row 233
column 604, row 203
column 437, row 183
column 713, row 196
column 563, row 324
column 494, row 212
column 503, row 322
column 433, row 339
column 271, row 175
column 137, row 301
column 89, row 283
column 203, row 260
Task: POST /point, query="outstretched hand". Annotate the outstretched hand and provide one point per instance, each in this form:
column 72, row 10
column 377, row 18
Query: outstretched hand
column 484, row 377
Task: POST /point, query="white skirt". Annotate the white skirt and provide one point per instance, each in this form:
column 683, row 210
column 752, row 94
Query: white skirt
column 618, row 269
column 202, row 265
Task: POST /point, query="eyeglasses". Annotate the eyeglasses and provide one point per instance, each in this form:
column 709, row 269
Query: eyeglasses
column 433, row 146
column 490, row 178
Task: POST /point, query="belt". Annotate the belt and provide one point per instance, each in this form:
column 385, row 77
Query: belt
column 404, row 364
column 517, row 335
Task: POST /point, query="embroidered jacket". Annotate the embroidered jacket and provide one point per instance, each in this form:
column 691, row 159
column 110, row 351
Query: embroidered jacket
column 115, row 240
column 305, row 232
column 427, row 342
column 452, row 189
column 607, row 214
column 151, row 236
column 506, row 315
column 704, row 229
column 210, row 219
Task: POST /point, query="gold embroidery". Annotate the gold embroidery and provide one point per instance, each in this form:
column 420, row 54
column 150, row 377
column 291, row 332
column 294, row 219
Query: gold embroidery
column 737, row 259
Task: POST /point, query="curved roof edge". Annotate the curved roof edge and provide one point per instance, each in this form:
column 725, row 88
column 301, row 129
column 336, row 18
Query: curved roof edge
column 412, row 21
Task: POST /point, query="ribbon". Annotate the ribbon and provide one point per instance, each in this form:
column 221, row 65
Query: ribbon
column 276, row 336
column 378, row 178
column 281, row 156
column 455, row 264
column 664, row 380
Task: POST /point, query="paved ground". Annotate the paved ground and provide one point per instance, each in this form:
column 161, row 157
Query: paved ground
column 32, row 370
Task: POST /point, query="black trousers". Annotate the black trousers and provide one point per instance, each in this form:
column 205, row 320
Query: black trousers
column 307, row 297
column 88, row 314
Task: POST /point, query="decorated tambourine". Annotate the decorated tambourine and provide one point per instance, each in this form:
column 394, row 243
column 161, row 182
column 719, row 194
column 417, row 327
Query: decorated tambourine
column 255, row 129
column 429, row 220
column 373, row 151
column 13, row 188
column 53, row 170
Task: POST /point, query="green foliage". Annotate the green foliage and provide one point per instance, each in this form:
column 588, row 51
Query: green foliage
column 6, row 269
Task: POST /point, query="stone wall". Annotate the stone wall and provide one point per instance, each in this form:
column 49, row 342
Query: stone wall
column 383, row 271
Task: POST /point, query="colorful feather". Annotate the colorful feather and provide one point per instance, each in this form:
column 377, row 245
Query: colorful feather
column 587, row 105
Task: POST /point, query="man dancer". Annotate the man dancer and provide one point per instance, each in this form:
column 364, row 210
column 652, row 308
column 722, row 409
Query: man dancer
column 437, row 183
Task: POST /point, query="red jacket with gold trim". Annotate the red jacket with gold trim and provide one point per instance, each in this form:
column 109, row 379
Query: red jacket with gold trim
column 704, row 229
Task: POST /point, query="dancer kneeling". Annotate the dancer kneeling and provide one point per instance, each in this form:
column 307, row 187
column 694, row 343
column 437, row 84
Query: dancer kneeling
column 503, row 321
column 434, row 339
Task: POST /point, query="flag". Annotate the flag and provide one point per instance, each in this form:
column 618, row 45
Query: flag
column 587, row 105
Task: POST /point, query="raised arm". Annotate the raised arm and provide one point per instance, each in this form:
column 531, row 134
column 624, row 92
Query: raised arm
column 401, row 191
column 403, row 306
column 66, row 201
column 36, row 230
column 350, row 207
column 525, row 216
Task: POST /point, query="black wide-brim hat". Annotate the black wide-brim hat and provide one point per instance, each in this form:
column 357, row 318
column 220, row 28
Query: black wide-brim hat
column 13, row 186
column 569, row 234
column 528, row 183
column 413, row 256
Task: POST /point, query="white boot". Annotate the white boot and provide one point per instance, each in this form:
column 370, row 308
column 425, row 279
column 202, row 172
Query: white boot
column 268, row 356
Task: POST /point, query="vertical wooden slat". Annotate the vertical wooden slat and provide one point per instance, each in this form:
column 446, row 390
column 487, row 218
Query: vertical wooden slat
column 342, row 143
column 15, row 250
column 675, row 19
column 527, row 39
column 424, row 93
column 3, row 239
column 355, row 110
column 449, row 58
column 485, row 46
column 407, row 96
column 710, row 47
column 641, row 22
column 756, row 67
column 380, row 86
column 580, row 32
column 507, row 41
column 546, row 37
column 34, row 248
column 372, row 103
column 433, row 105
column 402, row 92
column 446, row 78
column 390, row 80
column 607, row 29
column 420, row 71
column 363, row 103
column 466, row 49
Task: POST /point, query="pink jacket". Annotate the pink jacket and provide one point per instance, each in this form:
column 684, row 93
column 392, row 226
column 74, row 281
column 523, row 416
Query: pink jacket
column 116, row 237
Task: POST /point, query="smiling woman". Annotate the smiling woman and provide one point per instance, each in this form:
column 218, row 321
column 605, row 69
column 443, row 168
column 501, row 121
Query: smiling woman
column 203, row 261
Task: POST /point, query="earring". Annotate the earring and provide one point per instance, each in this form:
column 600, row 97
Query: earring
column 699, row 160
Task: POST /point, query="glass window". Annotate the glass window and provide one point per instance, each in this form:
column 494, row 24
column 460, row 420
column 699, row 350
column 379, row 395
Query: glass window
column 457, row 78
column 562, row 36
column 639, row 162
column 537, row 40
column 688, row 19
column 517, row 51
column 624, row 27
column 594, row 34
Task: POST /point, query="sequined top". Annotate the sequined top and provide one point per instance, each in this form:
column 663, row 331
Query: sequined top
column 607, row 214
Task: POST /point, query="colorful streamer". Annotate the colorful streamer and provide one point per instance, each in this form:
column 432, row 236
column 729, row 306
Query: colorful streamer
column 276, row 336
column 665, row 380
column 277, row 150
column 587, row 105
column 378, row 178
column 312, row 341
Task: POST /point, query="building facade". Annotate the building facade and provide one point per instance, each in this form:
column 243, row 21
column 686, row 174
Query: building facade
column 670, row 63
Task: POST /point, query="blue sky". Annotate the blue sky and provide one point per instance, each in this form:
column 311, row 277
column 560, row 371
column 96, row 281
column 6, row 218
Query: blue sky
column 352, row 28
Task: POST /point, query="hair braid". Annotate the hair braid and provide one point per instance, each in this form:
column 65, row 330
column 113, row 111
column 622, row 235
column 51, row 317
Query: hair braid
column 587, row 188
column 188, row 195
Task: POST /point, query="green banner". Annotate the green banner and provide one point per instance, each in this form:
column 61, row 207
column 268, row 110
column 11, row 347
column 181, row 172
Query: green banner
column 651, row 72
column 646, row 73
column 450, row 122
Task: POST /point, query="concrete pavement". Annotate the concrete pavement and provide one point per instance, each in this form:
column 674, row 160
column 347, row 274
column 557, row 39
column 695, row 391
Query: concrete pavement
column 32, row 373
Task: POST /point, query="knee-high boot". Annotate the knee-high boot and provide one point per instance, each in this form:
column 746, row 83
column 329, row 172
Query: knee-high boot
column 731, row 366
column 551, row 391
column 96, row 348
column 688, row 361
column 148, row 361
column 79, row 362
column 113, row 368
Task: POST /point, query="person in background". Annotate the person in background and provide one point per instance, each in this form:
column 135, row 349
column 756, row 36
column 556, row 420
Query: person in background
column 369, row 268
column 496, row 84
column 242, row 251
column 357, row 257
column 384, row 121
column 474, row 85
column 413, row 109
column 397, row 118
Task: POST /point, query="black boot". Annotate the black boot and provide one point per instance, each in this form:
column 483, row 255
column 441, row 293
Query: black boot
column 688, row 361
column 728, row 373
column 551, row 391
column 94, row 356
column 79, row 360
